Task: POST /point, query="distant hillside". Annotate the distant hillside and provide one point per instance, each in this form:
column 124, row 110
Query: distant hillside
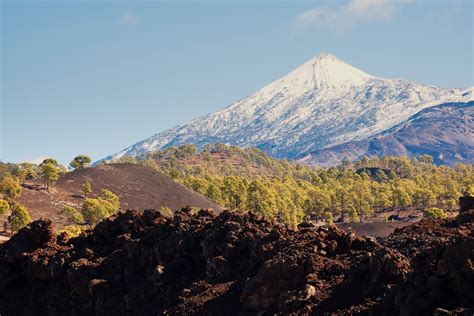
column 446, row 132
column 139, row 187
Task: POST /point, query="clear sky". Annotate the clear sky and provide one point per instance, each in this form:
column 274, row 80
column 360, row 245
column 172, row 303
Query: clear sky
column 94, row 77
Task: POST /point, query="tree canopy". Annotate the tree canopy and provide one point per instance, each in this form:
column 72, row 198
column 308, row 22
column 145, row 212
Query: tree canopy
column 50, row 171
column 19, row 217
column 80, row 162
column 10, row 186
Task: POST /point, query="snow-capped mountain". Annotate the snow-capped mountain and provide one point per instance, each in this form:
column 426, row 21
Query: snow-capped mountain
column 322, row 103
column 446, row 132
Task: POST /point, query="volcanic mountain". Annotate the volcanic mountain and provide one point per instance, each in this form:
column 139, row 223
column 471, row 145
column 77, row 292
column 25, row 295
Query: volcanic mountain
column 446, row 132
column 138, row 187
column 323, row 103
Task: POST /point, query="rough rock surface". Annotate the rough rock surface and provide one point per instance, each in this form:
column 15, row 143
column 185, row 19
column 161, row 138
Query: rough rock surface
column 238, row 264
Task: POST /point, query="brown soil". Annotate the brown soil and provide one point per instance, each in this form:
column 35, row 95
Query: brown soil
column 139, row 187
column 142, row 263
column 377, row 227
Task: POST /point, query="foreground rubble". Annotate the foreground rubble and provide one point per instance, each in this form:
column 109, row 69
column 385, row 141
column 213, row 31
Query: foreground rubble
column 240, row 264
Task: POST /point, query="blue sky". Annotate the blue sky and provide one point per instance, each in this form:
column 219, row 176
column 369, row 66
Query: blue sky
column 94, row 77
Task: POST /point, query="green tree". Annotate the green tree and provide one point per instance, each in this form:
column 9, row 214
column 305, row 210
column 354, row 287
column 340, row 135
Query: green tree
column 318, row 203
column 423, row 198
column 234, row 191
column 51, row 161
column 354, row 215
column 261, row 198
column 49, row 172
column 434, row 213
column 71, row 230
column 4, row 207
column 392, row 175
column 214, row 193
column 469, row 191
column 328, row 217
column 400, row 198
column 72, row 215
column 186, row 151
column 10, row 186
column 86, row 188
column 80, row 162
column 343, row 201
column 110, row 200
column 363, row 199
column 426, row 159
column 95, row 210
column 381, row 176
column 24, row 171
column 19, row 217
column 165, row 211
column 381, row 195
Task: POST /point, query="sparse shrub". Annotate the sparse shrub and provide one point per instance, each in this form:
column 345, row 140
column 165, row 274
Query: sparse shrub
column 4, row 207
column 166, row 211
column 354, row 215
column 434, row 213
column 110, row 200
column 19, row 217
column 71, row 230
column 86, row 188
column 469, row 190
column 328, row 217
column 95, row 210
column 73, row 216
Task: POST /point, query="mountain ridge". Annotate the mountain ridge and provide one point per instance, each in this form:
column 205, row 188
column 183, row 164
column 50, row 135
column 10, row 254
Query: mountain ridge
column 444, row 131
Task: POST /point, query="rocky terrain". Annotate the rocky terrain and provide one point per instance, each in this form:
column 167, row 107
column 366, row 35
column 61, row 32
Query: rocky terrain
column 241, row 264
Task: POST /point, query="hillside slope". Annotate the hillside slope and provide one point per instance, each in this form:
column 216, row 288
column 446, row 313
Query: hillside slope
column 139, row 187
column 320, row 104
column 445, row 132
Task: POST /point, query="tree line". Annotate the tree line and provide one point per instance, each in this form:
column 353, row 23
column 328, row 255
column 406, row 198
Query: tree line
column 248, row 179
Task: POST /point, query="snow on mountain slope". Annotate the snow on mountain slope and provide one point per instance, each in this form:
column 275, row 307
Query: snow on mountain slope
column 322, row 103
column 446, row 132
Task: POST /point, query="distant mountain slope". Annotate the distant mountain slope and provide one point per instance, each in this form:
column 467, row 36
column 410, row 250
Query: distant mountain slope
column 445, row 132
column 322, row 103
column 139, row 187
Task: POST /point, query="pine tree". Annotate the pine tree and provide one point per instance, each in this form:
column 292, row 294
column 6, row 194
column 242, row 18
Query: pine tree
column 50, row 171
column 80, row 162
column 86, row 188
column 19, row 217
column 4, row 207
column 10, row 186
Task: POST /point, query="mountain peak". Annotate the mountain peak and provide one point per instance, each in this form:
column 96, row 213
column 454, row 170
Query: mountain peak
column 323, row 56
column 322, row 72
column 331, row 72
column 322, row 103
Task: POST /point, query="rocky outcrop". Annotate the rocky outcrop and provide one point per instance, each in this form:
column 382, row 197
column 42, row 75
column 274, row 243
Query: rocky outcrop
column 240, row 264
